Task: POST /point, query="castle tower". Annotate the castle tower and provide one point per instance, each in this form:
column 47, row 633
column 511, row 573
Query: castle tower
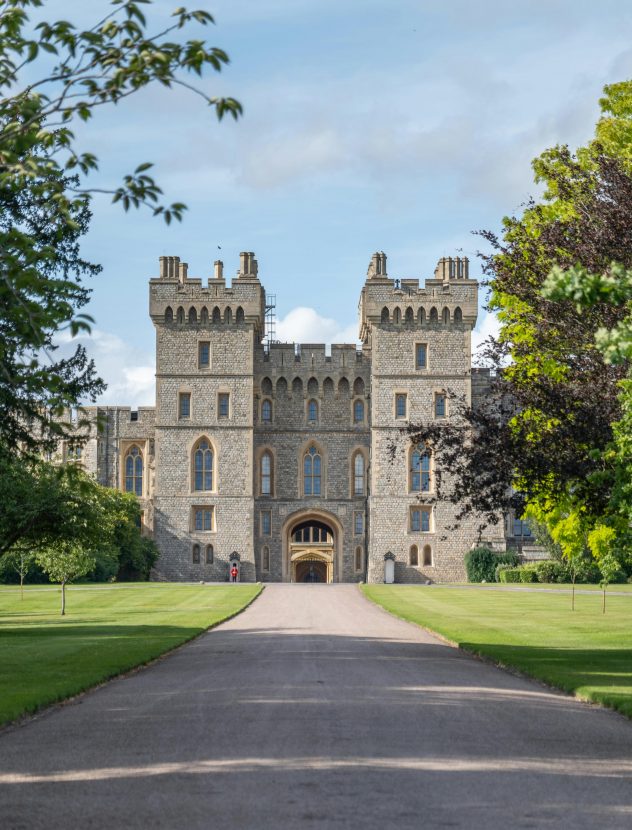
column 420, row 343
column 205, row 341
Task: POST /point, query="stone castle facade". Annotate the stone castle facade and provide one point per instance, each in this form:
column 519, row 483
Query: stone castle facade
column 280, row 456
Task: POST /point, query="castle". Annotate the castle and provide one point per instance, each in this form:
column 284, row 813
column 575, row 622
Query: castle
column 283, row 458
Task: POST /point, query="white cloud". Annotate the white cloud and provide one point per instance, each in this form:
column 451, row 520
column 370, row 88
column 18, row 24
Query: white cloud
column 305, row 325
column 488, row 326
column 129, row 372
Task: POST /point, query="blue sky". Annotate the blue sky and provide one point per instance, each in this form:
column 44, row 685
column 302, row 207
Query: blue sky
column 394, row 125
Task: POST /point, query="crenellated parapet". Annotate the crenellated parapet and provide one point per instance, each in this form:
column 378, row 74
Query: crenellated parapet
column 449, row 298
column 175, row 299
column 307, row 356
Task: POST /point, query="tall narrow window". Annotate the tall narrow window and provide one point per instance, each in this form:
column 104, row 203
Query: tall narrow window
column 265, row 559
column 204, row 354
column 420, row 471
column 195, row 554
column 266, row 411
column 266, row 523
column 312, row 410
column 184, row 405
column 400, row 405
column 203, row 466
column 266, row 474
column 209, row 554
column 312, row 465
column 223, row 405
column 427, row 559
column 413, row 556
column 358, row 412
column 358, row 523
column 134, row 471
column 421, row 355
column 358, row 474
column 358, row 559
column 440, row 405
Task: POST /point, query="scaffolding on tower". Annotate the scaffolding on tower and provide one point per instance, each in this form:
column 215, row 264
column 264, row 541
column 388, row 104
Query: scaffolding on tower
column 270, row 322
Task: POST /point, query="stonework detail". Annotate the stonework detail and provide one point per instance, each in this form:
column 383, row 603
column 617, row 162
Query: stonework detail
column 283, row 426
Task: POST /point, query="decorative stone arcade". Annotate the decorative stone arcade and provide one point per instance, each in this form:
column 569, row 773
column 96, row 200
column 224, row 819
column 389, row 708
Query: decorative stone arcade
column 311, row 552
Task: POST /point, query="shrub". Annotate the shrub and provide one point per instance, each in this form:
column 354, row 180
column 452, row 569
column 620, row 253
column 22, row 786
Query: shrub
column 527, row 573
column 510, row 575
column 481, row 563
column 550, row 571
column 500, row 568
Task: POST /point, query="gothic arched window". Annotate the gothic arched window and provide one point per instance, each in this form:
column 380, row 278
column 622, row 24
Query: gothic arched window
column 358, row 474
column 134, row 471
column 312, row 471
column 203, row 465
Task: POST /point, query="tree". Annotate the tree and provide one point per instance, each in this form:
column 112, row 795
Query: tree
column 541, row 436
column 21, row 561
column 45, row 192
column 64, row 562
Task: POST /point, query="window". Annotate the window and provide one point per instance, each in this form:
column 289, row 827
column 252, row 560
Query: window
column 358, row 412
column 420, row 519
column 73, row 452
column 358, row 474
column 203, row 466
column 204, row 354
column 203, row 519
column 358, row 559
column 413, row 556
column 134, row 471
column 266, row 474
column 184, row 405
column 265, row 559
column 266, row 411
column 312, row 532
column 521, row 528
column 195, row 554
column 420, row 471
column 440, row 407
column 400, row 405
column 266, row 523
column 358, row 523
column 427, row 560
column 312, row 410
column 421, row 355
column 312, row 466
column 209, row 554
column 223, row 405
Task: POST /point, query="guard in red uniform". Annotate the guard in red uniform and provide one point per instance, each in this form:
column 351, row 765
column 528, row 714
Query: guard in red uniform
column 233, row 573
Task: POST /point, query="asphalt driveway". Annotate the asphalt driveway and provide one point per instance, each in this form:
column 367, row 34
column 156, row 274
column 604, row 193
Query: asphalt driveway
column 316, row 709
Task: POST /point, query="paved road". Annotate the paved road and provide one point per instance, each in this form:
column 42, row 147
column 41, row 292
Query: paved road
column 315, row 709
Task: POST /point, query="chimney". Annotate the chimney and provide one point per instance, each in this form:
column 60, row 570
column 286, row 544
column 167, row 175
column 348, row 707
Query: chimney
column 218, row 269
column 183, row 268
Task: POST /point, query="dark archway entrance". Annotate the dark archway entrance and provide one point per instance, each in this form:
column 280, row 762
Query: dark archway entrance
column 311, row 572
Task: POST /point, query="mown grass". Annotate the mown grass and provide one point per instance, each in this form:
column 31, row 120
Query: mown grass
column 108, row 629
column 583, row 652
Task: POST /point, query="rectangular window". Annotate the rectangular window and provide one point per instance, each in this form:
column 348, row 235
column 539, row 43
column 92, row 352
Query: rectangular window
column 223, row 405
column 421, row 355
column 521, row 528
column 203, row 518
column 420, row 519
column 439, row 405
column 204, row 354
column 266, row 523
column 184, row 405
column 400, row 405
column 358, row 523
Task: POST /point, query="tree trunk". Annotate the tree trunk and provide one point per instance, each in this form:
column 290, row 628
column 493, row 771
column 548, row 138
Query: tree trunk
column 21, row 586
column 573, row 595
column 603, row 607
column 63, row 598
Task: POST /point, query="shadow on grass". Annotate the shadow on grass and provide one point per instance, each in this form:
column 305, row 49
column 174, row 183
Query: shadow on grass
column 602, row 675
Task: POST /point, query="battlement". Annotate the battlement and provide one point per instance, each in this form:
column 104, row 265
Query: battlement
column 177, row 299
column 450, row 297
column 310, row 356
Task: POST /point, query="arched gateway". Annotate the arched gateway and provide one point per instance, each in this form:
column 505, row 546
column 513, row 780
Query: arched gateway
column 311, row 543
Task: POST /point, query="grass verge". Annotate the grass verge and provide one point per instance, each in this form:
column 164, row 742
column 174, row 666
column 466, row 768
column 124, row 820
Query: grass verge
column 583, row 652
column 107, row 630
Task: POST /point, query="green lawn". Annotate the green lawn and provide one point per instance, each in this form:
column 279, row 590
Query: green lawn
column 108, row 629
column 583, row 652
